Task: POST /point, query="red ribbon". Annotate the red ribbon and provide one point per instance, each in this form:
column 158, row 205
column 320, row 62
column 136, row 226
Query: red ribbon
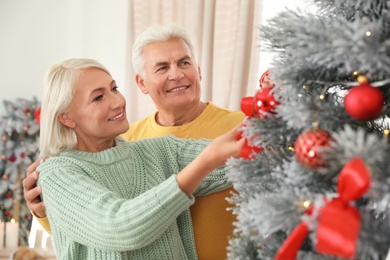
column 247, row 106
column 338, row 221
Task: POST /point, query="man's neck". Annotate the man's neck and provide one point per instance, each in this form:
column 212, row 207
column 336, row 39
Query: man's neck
column 180, row 117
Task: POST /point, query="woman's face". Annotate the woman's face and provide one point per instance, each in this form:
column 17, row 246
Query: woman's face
column 98, row 111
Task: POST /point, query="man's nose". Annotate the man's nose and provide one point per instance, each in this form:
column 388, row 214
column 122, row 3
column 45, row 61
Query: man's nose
column 175, row 73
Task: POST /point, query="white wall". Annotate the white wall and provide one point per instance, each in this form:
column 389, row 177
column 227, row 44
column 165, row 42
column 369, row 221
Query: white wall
column 270, row 9
column 34, row 34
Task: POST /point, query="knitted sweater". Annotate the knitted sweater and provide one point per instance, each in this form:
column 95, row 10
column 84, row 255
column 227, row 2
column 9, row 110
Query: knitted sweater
column 123, row 203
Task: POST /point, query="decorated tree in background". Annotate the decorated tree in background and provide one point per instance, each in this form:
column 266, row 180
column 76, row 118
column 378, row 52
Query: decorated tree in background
column 314, row 178
column 19, row 131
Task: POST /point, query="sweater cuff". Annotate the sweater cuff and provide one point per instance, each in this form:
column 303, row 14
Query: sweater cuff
column 44, row 222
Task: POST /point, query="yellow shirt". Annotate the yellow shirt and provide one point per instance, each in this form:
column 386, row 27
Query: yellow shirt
column 213, row 224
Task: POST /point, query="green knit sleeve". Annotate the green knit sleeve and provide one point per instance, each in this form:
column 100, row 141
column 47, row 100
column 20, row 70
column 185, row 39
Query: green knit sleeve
column 81, row 209
column 186, row 151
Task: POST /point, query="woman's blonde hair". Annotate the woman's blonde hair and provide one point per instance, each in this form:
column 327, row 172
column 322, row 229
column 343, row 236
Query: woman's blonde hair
column 58, row 90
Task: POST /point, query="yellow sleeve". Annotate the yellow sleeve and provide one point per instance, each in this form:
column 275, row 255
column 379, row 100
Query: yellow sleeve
column 44, row 222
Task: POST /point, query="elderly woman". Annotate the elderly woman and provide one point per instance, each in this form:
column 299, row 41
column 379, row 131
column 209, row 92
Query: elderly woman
column 111, row 199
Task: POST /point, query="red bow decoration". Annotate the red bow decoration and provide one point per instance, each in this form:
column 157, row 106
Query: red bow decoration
column 338, row 221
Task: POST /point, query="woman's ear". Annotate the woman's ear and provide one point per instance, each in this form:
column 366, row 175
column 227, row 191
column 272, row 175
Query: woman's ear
column 66, row 120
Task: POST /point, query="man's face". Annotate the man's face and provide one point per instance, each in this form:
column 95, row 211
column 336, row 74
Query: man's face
column 171, row 76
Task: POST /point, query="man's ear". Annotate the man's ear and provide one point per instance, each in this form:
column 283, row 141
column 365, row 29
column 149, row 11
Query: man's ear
column 200, row 73
column 140, row 82
column 66, row 120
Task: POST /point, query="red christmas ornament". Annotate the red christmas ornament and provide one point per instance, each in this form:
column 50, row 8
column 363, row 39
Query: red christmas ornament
column 37, row 115
column 265, row 80
column 308, row 146
column 26, row 111
column 263, row 102
column 7, row 213
column 338, row 220
column 364, row 102
column 12, row 158
column 9, row 195
column 22, row 155
column 248, row 152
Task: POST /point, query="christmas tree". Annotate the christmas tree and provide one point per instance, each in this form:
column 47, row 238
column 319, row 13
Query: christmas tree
column 19, row 130
column 313, row 181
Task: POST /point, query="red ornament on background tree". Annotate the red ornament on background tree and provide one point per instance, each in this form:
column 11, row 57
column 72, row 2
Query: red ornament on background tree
column 37, row 115
column 364, row 102
column 308, row 147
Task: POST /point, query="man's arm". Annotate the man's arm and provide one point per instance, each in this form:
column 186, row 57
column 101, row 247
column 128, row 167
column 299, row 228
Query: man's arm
column 32, row 194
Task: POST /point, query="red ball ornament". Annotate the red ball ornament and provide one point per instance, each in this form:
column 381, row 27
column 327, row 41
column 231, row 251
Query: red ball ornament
column 308, row 147
column 12, row 158
column 7, row 213
column 364, row 102
column 9, row 195
column 37, row 115
column 262, row 102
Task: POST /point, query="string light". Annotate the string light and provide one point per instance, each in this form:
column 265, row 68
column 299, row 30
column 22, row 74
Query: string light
column 307, row 203
column 386, row 133
column 368, row 33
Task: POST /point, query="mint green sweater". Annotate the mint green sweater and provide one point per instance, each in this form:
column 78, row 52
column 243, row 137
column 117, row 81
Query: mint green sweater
column 124, row 202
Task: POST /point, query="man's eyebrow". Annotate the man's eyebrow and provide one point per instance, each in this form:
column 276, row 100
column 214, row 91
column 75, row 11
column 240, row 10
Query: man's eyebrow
column 163, row 63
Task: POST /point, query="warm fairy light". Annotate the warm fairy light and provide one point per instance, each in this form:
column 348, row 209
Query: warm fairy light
column 12, row 220
column 304, row 87
column 291, row 148
column 386, row 132
column 306, row 203
column 322, row 96
column 368, row 33
column 355, row 73
column 362, row 79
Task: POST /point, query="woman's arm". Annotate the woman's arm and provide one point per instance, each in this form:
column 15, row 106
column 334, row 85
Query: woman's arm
column 212, row 157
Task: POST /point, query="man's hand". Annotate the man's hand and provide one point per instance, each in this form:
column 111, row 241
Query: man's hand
column 32, row 191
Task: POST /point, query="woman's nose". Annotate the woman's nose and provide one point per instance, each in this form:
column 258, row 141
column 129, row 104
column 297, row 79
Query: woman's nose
column 117, row 100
